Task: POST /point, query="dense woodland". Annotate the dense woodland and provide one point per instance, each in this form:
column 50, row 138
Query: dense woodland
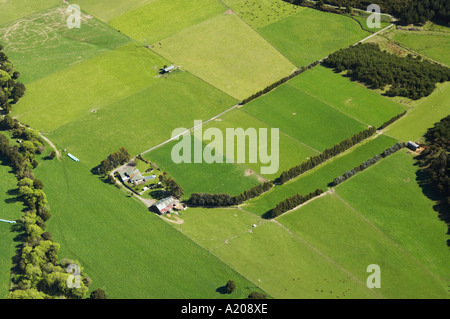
column 421, row 11
column 409, row 77
column 434, row 162
column 407, row 11
column 387, row 6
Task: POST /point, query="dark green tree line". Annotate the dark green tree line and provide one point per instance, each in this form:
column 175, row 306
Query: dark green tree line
column 292, row 202
column 325, row 155
column 409, row 77
column 211, row 200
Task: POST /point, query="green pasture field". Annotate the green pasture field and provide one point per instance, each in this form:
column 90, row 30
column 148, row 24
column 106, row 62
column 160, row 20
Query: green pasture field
column 227, row 53
column 423, row 115
column 262, row 12
column 435, row 45
column 268, row 254
column 291, row 151
column 303, row 117
column 361, row 18
column 109, row 9
column 10, row 209
column 212, row 228
column 10, row 204
column 311, row 35
column 143, row 119
column 286, row 267
column 353, row 242
column 7, row 251
column 230, row 178
column 348, row 96
column 320, row 176
column 42, row 44
column 11, row 10
column 127, row 250
column 161, row 19
column 86, row 87
column 389, row 197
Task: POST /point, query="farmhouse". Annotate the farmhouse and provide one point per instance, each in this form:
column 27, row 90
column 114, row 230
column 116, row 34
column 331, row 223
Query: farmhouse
column 166, row 205
column 130, row 175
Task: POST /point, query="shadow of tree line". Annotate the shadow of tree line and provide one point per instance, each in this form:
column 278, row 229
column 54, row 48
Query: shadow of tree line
column 442, row 206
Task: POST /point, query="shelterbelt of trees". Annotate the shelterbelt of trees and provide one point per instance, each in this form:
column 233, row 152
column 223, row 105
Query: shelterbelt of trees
column 410, row 77
column 434, row 163
column 407, row 11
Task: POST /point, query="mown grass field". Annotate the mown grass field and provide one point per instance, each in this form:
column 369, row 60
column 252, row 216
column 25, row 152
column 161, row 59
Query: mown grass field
column 109, row 9
column 354, row 243
column 143, row 119
column 15, row 9
column 227, row 53
column 290, row 150
column 161, row 19
column 349, row 97
column 282, row 264
column 262, row 12
column 126, row 250
column 230, row 178
column 389, row 197
column 64, row 97
column 434, row 45
column 87, row 122
column 303, row 117
column 311, row 35
column 320, row 176
column 42, row 44
column 212, row 228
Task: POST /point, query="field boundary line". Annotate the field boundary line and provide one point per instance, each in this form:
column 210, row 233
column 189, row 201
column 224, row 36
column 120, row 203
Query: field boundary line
column 283, row 132
column 374, row 34
column 326, row 257
column 176, row 137
column 346, row 152
column 397, row 245
column 238, row 105
column 259, row 34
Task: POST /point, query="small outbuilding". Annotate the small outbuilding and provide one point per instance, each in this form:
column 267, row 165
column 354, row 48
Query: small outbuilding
column 165, row 205
column 413, row 146
column 73, row 157
column 168, row 69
